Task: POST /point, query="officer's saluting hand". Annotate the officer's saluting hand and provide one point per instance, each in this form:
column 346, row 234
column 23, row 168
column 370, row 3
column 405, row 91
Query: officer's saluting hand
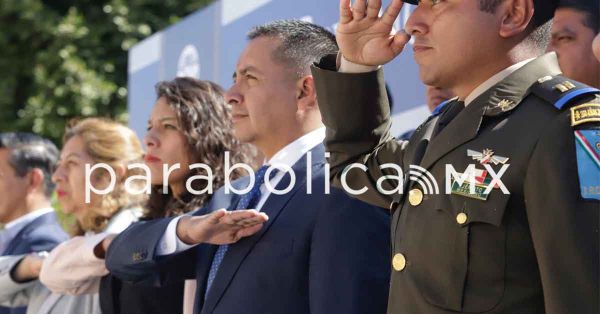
column 364, row 37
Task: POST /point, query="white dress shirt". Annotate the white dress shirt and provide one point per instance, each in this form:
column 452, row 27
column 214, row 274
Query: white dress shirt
column 287, row 156
column 12, row 229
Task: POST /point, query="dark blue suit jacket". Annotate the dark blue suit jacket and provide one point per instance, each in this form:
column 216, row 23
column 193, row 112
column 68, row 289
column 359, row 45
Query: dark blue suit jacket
column 42, row 234
column 319, row 254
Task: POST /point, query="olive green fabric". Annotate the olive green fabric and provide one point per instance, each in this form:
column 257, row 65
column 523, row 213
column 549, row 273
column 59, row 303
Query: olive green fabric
column 532, row 251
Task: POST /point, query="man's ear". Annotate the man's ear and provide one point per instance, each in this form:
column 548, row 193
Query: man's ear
column 596, row 46
column 306, row 93
column 36, row 180
column 517, row 14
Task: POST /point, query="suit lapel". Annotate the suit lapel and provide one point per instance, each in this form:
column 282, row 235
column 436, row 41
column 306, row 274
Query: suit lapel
column 413, row 156
column 461, row 129
column 272, row 207
column 421, row 138
column 17, row 239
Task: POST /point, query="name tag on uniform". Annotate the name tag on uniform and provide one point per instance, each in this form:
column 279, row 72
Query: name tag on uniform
column 482, row 179
column 481, row 183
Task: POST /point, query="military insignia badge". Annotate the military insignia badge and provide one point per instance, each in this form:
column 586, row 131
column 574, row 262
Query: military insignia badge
column 564, row 86
column 465, row 190
column 481, row 179
column 505, row 104
column 487, row 156
column 544, row 79
column 481, row 182
column 589, row 112
column 587, row 147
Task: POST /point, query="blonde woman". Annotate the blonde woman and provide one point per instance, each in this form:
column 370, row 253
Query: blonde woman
column 87, row 142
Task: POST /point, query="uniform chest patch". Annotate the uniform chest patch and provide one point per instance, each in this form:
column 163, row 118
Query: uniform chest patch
column 588, row 162
column 478, row 183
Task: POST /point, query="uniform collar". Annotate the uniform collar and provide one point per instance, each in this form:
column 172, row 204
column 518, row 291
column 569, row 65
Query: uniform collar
column 508, row 93
column 494, row 80
column 499, row 99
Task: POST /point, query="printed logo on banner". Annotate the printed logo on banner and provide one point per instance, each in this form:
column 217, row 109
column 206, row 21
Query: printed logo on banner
column 307, row 18
column 189, row 62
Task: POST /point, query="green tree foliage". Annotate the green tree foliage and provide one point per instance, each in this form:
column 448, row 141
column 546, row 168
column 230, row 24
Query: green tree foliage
column 61, row 59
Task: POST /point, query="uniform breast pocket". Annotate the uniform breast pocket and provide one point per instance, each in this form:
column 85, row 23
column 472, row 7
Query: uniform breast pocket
column 458, row 252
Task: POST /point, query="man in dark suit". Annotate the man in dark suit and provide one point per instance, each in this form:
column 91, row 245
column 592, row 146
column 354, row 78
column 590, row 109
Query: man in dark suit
column 320, row 251
column 519, row 232
column 30, row 225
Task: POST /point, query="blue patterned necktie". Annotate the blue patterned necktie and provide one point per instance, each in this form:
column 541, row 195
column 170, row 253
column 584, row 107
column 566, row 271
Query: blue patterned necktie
column 247, row 201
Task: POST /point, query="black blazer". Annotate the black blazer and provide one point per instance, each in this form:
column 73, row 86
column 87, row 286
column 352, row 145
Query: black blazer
column 118, row 297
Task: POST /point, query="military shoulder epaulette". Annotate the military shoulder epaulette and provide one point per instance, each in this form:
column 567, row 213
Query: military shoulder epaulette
column 561, row 91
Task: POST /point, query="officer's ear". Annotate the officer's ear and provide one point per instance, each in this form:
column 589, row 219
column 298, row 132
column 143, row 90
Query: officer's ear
column 516, row 16
column 306, row 93
column 596, row 46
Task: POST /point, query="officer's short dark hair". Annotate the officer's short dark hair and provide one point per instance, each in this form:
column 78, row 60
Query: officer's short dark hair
column 589, row 8
column 29, row 151
column 302, row 43
column 541, row 24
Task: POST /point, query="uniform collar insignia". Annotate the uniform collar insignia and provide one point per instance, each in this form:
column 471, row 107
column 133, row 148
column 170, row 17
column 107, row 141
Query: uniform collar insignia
column 508, row 93
column 486, row 157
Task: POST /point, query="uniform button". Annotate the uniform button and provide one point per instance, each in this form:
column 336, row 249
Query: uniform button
column 415, row 197
column 399, row 262
column 462, row 218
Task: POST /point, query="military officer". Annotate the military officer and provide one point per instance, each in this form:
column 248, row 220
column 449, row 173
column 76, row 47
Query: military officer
column 498, row 211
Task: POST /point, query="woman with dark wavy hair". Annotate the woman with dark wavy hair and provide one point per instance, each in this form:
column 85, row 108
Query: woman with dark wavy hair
column 189, row 124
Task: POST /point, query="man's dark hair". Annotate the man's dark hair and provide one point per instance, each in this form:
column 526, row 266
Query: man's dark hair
column 28, row 151
column 591, row 9
column 302, row 43
column 541, row 25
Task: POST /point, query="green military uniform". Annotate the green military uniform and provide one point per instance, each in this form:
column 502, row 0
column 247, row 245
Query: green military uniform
column 534, row 250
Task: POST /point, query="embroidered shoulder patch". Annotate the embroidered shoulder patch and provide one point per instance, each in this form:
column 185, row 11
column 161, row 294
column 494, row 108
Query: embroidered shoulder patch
column 587, row 143
column 589, row 112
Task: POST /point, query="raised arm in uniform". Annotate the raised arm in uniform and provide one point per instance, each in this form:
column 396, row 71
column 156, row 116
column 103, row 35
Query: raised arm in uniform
column 525, row 240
